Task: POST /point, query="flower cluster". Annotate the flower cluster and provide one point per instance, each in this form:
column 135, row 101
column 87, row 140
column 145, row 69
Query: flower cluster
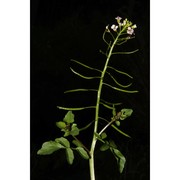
column 125, row 26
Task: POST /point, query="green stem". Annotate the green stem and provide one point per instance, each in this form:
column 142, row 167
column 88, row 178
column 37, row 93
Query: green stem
column 106, row 126
column 94, row 139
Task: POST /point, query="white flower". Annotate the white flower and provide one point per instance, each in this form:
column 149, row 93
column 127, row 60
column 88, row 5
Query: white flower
column 114, row 27
column 118, row 20
column 107, row 28
column 130, row 30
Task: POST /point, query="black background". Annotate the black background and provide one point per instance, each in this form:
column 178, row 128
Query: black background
column 64, row 30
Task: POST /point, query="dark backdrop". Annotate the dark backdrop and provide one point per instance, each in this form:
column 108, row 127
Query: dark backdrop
column 66, row 29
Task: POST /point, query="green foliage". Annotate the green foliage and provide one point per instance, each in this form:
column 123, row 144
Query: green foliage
column 117, row 154
column 67, row 125
column 82, row 152
column 61, row 124
column 77, row 143
column 63, row 141
column 119, row 157
column 69, row 155
column 49, row 147
column 69, row 117
column 105, row 146
column 125, row 113
column 112, row 144
column 103, row 135
column 74, row 130
column 117, row 123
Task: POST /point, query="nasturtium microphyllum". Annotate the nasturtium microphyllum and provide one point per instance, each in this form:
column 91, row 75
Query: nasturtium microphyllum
column 114, row 35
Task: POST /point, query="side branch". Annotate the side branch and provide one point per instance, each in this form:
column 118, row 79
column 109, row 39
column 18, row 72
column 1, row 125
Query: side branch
column 113, row 126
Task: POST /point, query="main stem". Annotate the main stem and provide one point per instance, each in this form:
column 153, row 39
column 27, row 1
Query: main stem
column 94, row 139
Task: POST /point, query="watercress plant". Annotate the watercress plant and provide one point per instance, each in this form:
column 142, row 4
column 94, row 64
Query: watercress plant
column 115, row 35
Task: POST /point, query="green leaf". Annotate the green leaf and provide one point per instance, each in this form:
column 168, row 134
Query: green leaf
column 63, row 141
column 117, row 123
column 121, row 164
column 112, row 144
column 104, row 147
column 82, row 152
column 117, row 153
column 61, row 124
column 125, row 113
column 120, row 159
column 103, row 135
column 69, row 155
column 67, row 133
column 74, row 130
column 69, row 117
column 49, row 147
column 77, row 143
